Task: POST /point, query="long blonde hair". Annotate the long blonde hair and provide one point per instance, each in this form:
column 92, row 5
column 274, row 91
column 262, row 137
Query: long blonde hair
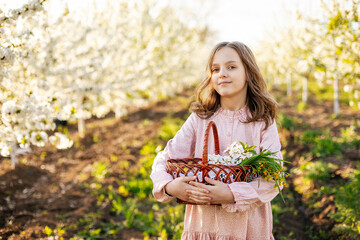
column 258, row 100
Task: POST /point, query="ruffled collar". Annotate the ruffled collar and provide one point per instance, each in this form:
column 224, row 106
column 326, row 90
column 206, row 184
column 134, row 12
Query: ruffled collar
column 240, row 114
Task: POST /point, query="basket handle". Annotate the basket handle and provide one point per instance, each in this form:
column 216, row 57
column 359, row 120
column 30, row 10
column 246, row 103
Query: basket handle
column 206, row 142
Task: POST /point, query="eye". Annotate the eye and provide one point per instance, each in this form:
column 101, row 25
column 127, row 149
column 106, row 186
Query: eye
column 232, row 67
column 215, row 70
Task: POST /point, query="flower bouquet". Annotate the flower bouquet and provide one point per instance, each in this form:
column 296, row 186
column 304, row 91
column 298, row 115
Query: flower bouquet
column 262, row 164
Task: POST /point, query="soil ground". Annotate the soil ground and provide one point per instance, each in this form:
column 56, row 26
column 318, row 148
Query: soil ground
column 46, row 184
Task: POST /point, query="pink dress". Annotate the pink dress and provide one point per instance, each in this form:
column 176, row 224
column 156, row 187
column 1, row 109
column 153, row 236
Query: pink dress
column 251, row 216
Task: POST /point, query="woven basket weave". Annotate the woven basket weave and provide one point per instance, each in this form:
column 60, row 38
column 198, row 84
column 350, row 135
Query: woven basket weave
column 200, row 167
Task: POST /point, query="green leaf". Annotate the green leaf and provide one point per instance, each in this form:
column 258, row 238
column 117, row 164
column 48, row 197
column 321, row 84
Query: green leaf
column 242, row 144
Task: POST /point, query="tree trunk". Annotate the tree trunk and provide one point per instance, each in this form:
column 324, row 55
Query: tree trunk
column 305, row 90
column 336, row 94
column 13, row 155
column 81, row 127
column 289, row 90
column 336, row 80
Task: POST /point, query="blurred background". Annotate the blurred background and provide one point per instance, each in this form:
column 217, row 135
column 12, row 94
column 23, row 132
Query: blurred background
column 91, row 91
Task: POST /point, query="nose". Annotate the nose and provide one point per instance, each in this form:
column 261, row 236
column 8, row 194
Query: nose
column 223, row 72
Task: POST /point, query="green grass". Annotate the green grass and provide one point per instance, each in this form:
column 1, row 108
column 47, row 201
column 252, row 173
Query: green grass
column 169, row 128
column 317, row 171
column 322, row 144
column 286, row 122
column 347, row 200
column 131, row 199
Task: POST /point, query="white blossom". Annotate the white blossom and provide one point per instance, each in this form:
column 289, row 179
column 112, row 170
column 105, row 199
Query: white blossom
column 60, row 140
column 39, row 138
column 215, row 159
column 5, row 149
column 6, row 55
column 338, row 41
column 227, row 160
column 248, row 154
column 348, row 88
column 236, row 154
column 8, row 109
column 23, row 139
column 235, row 150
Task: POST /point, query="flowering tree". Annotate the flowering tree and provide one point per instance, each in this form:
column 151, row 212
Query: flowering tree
column 27, row 110
column 104, row 62
column 323, row 49
column 343, row 32
column 118, row 54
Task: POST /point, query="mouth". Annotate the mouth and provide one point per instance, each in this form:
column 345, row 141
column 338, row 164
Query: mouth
column 224, row 83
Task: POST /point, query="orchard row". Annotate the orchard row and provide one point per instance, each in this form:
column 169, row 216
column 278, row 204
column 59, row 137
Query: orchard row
column 318, row 53
column 66, row 63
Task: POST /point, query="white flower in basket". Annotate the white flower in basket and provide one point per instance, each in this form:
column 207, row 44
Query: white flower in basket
column 237, row 152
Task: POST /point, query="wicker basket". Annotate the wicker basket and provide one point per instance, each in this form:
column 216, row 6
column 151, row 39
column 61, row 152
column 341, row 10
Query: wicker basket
column 200, row 167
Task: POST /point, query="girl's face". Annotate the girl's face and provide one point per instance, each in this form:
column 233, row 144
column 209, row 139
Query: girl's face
column 228, row 74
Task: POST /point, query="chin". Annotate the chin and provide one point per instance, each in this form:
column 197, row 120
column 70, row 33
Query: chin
column 226, row 94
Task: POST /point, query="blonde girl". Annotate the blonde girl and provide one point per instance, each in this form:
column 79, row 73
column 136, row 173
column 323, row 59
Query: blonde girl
column 235, row 97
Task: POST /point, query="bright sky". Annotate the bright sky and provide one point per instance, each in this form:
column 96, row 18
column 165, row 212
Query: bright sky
column 247, row 21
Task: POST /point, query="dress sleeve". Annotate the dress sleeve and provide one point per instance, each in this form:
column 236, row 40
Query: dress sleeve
column 248, row 195
column 181, row 146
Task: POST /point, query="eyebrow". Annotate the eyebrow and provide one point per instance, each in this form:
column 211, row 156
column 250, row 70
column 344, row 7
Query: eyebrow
column 231, row 61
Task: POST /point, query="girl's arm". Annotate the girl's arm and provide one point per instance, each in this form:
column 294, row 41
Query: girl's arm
column 241, row 196
column 259, row 191
column 181, row 146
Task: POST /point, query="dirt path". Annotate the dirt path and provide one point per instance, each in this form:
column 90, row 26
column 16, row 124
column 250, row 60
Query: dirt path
column 47, row 183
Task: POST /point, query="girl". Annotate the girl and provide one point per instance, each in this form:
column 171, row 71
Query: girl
column 234, row 96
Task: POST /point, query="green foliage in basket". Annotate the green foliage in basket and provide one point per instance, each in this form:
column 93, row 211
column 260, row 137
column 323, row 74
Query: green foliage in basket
column 269, row 167
column 263, row 163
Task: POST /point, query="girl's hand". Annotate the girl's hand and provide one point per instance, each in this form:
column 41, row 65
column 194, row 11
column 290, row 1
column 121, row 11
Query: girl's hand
column 219, row 192
column 178, row 188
